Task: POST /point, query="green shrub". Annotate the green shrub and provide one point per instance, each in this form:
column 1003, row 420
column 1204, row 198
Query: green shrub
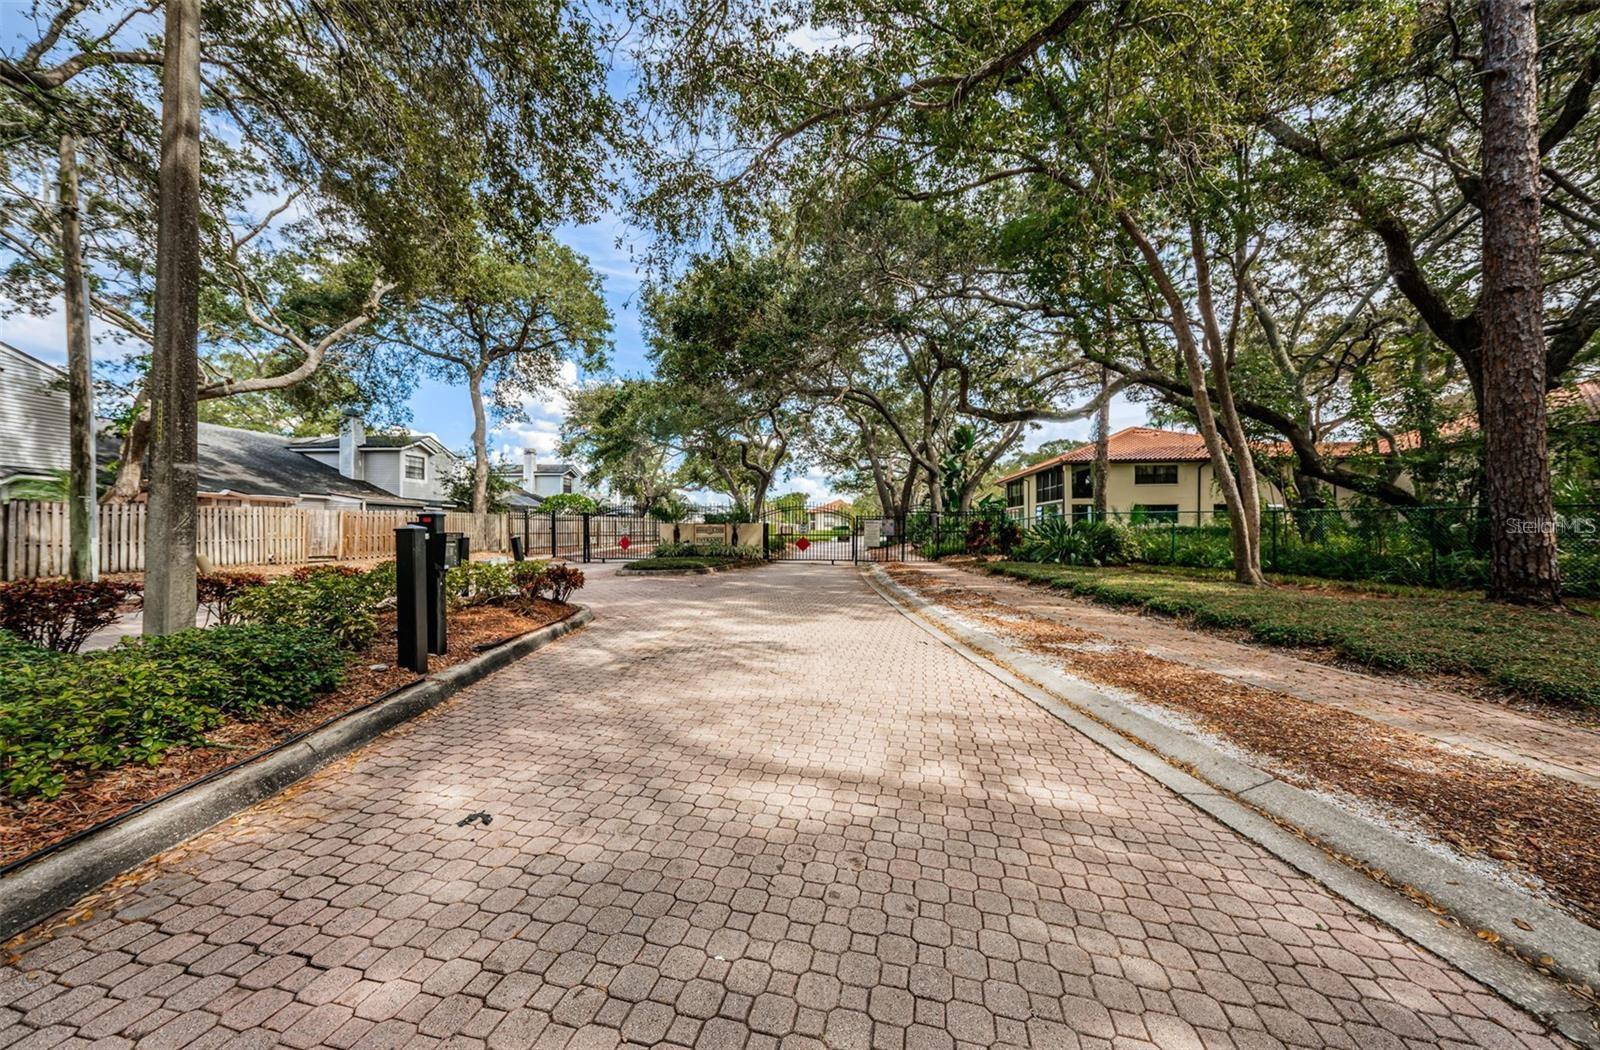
column 477, row 583
column 267, row 667
column 529, row 579
column 135, row 702
column 568, row 503
column 341, row 605
column 726, row 551
column 671, row 564
column 60, row 614
column 382, row 580
column 1066, row 542
column 217, row 590
column 14, row 652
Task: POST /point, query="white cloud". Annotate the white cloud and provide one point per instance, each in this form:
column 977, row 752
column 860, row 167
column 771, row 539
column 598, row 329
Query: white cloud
column 812, row 482
column 541, row 430
column 1124, row 413
column 45, row 337
column 815, row 39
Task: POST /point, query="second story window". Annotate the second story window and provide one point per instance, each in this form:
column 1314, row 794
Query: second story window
column 1155, row 473
column 566, row 483
column 1083, row 483
column 1049, row 486
column 1014, row 496
column 416, row 467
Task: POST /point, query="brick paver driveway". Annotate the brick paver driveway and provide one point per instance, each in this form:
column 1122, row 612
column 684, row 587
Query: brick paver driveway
column 753, row 809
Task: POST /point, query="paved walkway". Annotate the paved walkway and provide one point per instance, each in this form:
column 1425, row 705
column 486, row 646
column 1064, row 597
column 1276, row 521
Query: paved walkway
column 1551, row 745
column 756, row 809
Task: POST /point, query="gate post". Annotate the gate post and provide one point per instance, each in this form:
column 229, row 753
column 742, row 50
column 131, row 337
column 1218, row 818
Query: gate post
column 553, row 552
column 855, row 529
column 586, row 537
column 766, row 540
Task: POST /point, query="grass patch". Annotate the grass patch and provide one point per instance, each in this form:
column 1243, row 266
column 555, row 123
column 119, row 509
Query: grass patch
column 1546, row 656
column 697, row 562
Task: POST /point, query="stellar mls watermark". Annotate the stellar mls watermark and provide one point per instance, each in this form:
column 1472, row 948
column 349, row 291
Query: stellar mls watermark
column 1561, row 525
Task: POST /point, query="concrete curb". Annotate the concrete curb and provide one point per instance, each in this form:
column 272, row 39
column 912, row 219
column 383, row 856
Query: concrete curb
column 1253, row 802
column 35, row 892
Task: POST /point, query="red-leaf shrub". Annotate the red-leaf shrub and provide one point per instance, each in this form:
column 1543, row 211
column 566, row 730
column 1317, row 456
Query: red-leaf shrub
column 217, row 590
column 60, row 614
column 562, row 580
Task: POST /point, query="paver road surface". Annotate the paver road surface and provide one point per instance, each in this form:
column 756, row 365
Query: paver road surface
column 757, row 809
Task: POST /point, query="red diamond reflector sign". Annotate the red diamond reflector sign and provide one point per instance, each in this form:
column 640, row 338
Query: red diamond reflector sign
column 802, row 543
column 624, row 543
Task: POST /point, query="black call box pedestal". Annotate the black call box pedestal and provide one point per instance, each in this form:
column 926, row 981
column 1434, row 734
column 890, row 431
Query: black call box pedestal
column 424, row 552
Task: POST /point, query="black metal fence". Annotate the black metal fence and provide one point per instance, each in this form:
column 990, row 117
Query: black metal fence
column 1425, row 546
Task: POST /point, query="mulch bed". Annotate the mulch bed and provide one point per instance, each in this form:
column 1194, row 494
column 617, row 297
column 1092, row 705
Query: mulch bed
column 30, row 825
column 1543, row 828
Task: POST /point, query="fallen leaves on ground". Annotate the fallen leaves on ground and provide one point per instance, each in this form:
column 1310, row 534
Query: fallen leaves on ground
column 1538, row 825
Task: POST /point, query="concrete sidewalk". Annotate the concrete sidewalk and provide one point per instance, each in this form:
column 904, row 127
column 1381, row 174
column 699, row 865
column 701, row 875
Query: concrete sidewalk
column 759, row 809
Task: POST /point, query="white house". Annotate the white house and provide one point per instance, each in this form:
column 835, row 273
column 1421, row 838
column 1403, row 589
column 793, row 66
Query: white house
column 547, row 479
column 411, row 466
column 34, row 426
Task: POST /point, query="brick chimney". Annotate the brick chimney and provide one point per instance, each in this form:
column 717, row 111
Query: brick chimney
column 352, row 435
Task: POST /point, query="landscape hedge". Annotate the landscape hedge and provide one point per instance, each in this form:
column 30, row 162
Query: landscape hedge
column 61, row 713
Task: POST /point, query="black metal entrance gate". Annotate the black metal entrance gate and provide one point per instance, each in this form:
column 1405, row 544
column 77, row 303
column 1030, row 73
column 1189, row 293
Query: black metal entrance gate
column 827, row 534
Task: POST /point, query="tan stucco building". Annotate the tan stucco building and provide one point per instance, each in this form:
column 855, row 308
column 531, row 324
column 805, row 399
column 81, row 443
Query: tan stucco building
column 1152, row 473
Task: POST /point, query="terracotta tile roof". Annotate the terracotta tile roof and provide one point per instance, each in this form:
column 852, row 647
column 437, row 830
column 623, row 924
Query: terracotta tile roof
column 1131, row 445
column 1579, row 402
column 1152, row 445
column 836, row 505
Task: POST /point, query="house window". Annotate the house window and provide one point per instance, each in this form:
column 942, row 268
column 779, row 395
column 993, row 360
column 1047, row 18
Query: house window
column 566, row 483
column 1083, row 512
column 1014, row 494
column 1047, row 510
column 1219, row 510
column 416, row 467
column 1047, row 486
column 1155, row 473
column 1083, row 483
column 1155, row 511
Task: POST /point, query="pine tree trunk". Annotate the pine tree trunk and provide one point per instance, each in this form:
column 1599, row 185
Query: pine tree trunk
column 169, row 598
column 1522, row 546
column 83, row 508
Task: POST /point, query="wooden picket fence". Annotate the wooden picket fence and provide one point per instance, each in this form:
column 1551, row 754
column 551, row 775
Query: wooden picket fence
column 33, row 535
column 370, row 533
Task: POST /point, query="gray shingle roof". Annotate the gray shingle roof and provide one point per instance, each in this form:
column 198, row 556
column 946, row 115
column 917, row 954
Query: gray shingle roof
column 257, row 464
column 375, row 439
